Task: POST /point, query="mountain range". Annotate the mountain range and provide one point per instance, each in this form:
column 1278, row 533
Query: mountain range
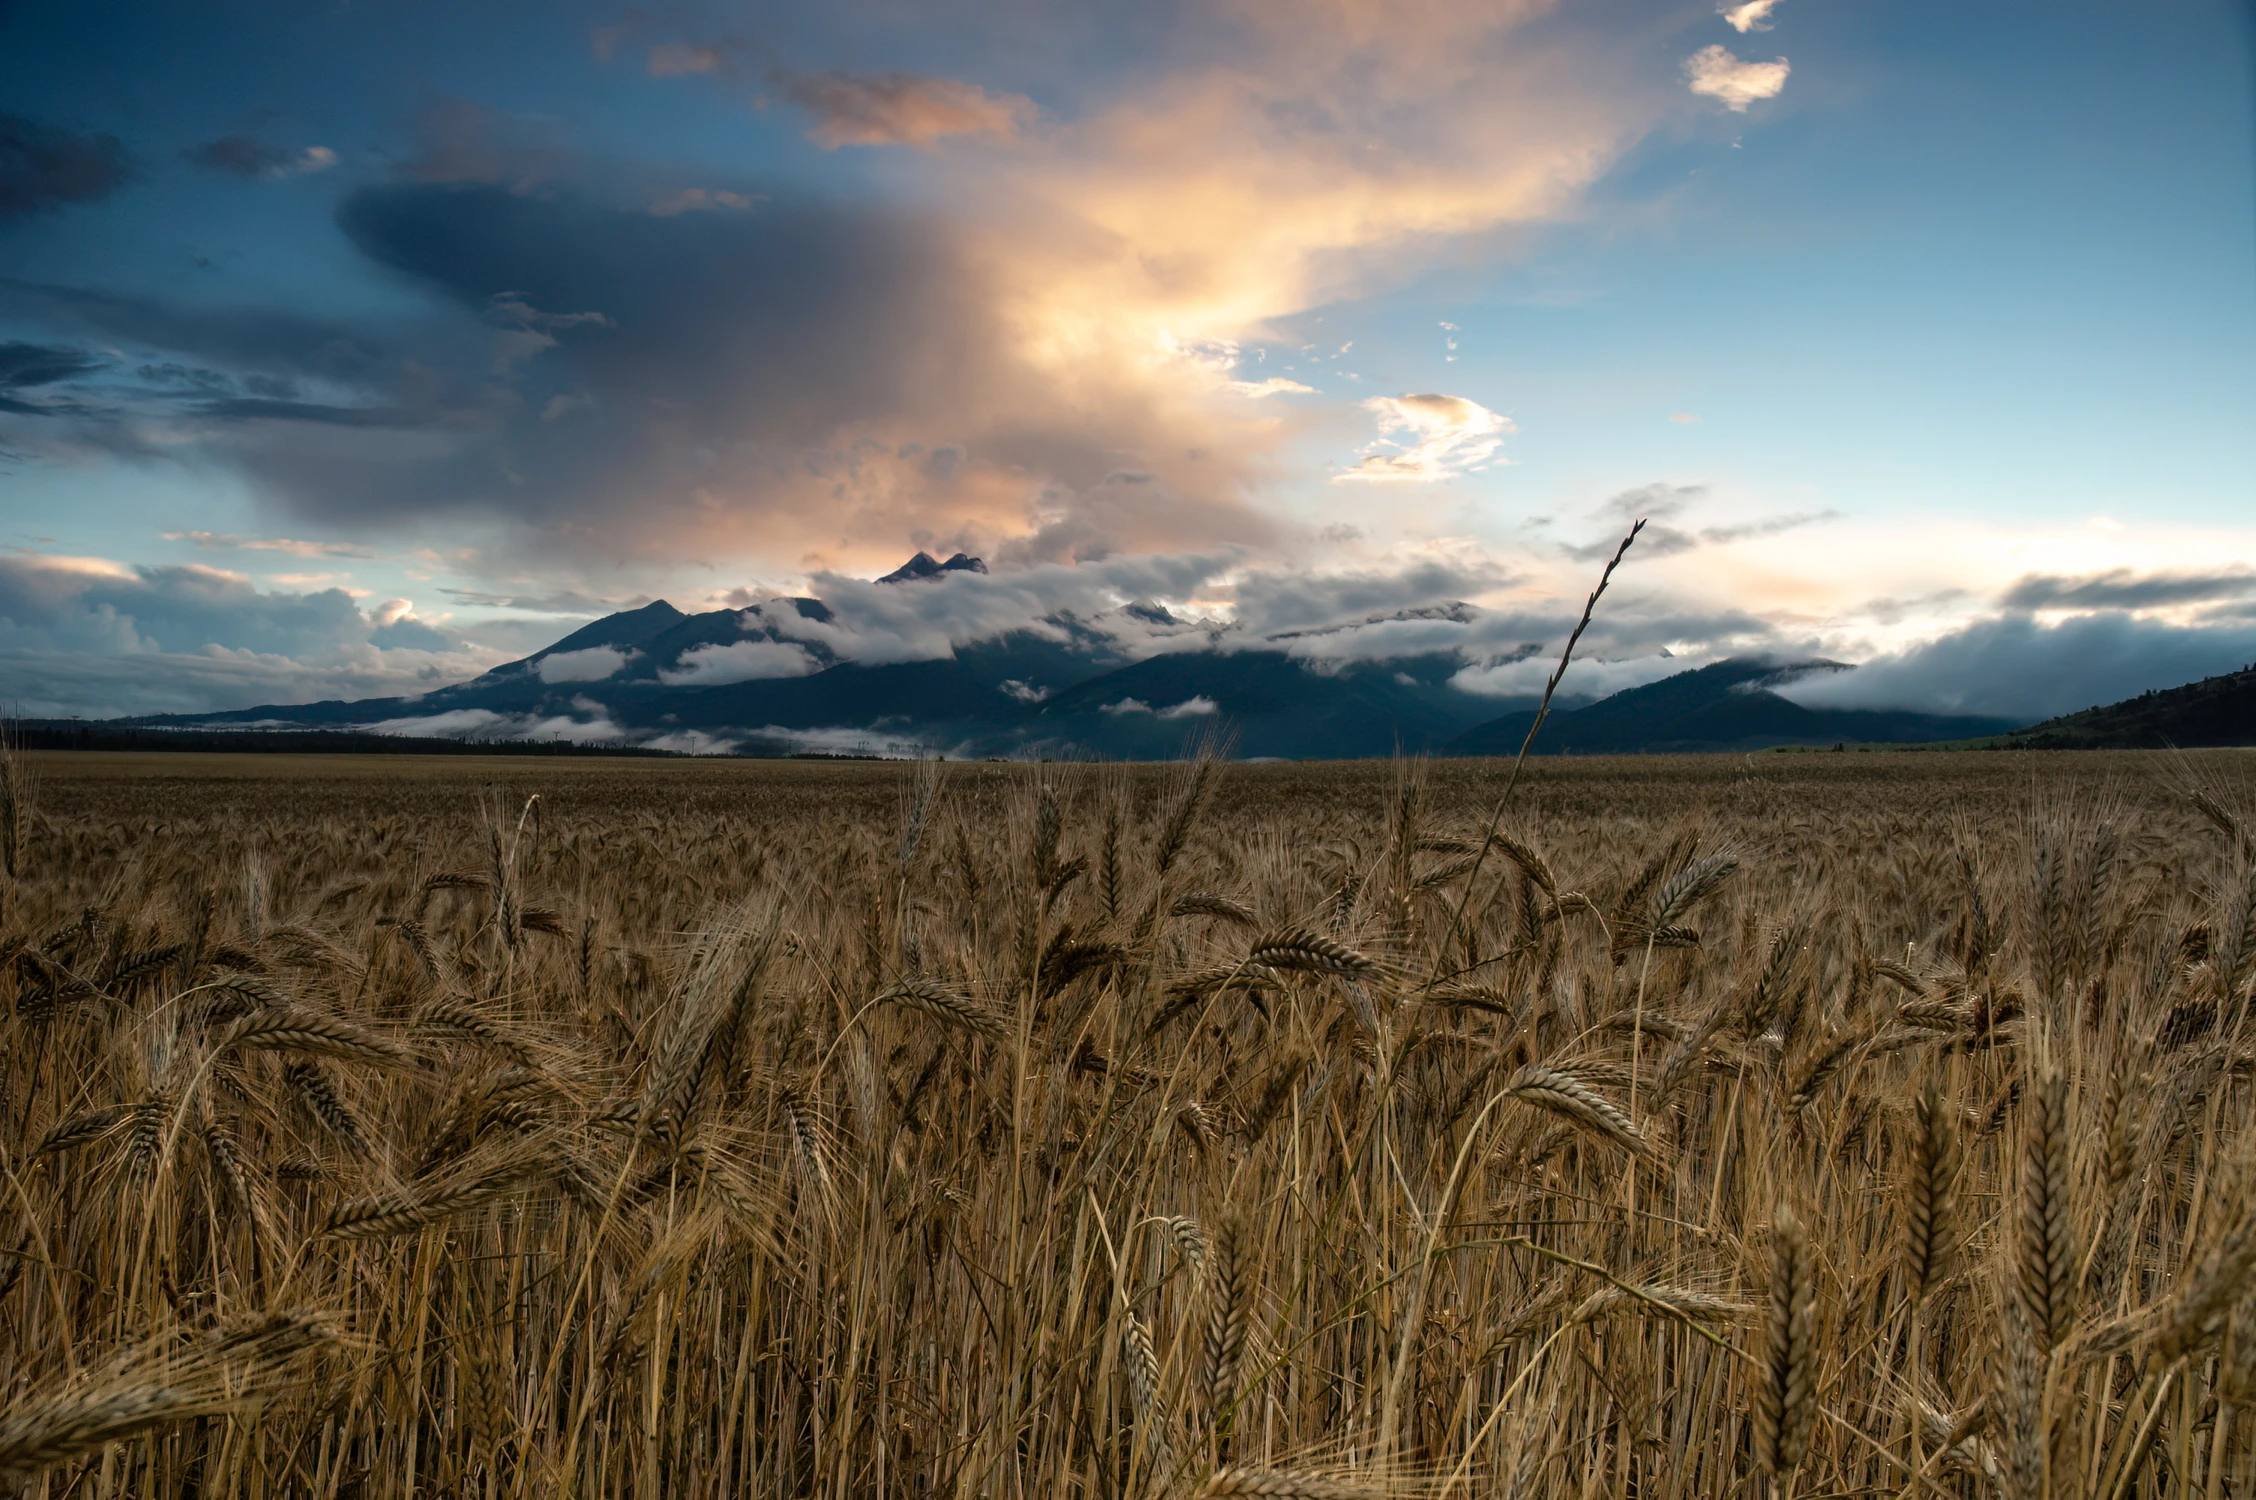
column 1135, row 682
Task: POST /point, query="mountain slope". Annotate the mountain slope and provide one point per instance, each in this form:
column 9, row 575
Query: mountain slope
column 1272, row 704
column 1727, row 706
column 2215, row 711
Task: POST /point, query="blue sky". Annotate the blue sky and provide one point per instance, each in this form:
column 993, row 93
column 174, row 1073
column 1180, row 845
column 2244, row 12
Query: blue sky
column 347, row 350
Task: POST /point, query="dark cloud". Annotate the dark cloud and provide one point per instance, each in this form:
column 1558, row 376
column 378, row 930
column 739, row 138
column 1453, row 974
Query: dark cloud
column 238, row 154
column 45, row 166
column 2120, row 588
column 23, row 366
column 257, row 408
column 28, row 367
column 2015, row 667
column 1271, row 602
column 264, row 339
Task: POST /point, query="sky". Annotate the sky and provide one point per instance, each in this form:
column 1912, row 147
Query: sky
column 348, row 350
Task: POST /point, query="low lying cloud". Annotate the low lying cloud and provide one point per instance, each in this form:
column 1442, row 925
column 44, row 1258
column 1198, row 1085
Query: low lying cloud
column 2017, row 667
column 591, row 665
column 1428, row 437
column 485, row 724
column 900, row 109
column 1198, row 706
column 714, row 664
column 1716, row 73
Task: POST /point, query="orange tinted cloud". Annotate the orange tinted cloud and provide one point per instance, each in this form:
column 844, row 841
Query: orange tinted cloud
column 889, row 109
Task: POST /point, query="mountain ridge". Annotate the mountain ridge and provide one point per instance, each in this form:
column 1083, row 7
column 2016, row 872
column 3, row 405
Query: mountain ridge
column 1135, row 681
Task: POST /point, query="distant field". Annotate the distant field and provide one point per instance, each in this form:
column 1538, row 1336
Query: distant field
column 1642, row 786
column 1815, row 1124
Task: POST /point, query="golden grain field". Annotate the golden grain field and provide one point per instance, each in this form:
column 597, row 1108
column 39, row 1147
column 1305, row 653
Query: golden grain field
column 1810, row 1125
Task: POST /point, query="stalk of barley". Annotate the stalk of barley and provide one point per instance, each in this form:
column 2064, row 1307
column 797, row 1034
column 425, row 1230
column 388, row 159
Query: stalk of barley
column 386, row 1215
column 1284, row 1484
column 1229, row 1318
column 947, row 1005
column 1930, row 1186
column 1142, row 1363
column 227, row 1370
column 452, row 1018
column 1786, row 1385
column 1207, row 904
column 1298, row 949
column 79, row 1129
column 1189, row 800
column 2044, row 1264
column 297, row 1030
column 1575, row 1101
column 313, row 1089
column 1659, row 1299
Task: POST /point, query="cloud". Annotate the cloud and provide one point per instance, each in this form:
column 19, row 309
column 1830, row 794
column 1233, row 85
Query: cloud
column 485, row 724
column 1715, row 73
column 591, row 665
column 545, row 602
column 1750, row 15
column 28, row 368
column 1764, row 526
column 1683, row 418
column 773, row 379
column 2121, row 588
column 890, row 109
column 245, row 157
column 715, row 663
column 1658, row 504
column 1651, row 502
column 88, row 635
column 2016, row 667
column 46, row 166
column 219, row 541
column 23, row 366
column 674, row 59
column 777, row 378
column 1439, row 437
column 1196, row 707
column 695, row 200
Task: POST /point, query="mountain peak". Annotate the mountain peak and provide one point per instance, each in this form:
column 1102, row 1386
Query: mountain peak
column 626, row 628
column 923, row 566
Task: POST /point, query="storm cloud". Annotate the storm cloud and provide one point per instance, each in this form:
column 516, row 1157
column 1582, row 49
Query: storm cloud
column 45, row 166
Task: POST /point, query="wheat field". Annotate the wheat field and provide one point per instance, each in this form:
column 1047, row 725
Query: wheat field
column 1797, row 1125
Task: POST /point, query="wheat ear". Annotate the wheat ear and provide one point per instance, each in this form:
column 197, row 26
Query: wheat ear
column 1786, row 1396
